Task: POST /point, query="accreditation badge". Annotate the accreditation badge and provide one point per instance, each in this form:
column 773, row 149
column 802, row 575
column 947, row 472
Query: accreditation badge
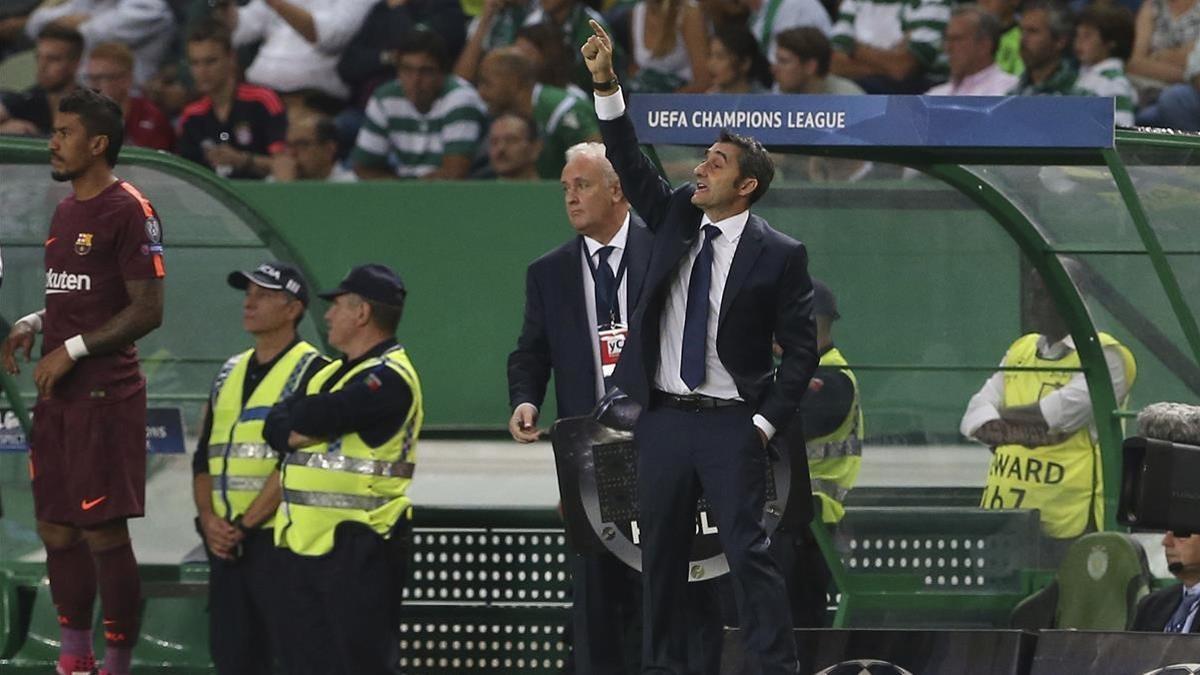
column 612, row 341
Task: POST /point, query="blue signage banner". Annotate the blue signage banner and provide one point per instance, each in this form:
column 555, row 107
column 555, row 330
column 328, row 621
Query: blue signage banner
column 164, row 432
column 1041, row 122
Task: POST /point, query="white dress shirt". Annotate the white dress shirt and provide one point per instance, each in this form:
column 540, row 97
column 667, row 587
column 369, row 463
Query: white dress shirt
column 286, row 62
column 718, row 383
column 990, row 81
column 1066, row 410
column 592, row 248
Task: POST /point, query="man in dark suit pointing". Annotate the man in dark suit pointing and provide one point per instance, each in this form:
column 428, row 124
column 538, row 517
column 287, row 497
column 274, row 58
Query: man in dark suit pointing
column 1174, row 609
column 721, row 284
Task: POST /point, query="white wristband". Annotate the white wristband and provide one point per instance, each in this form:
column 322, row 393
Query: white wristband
column 76, row 349
column 34, row 321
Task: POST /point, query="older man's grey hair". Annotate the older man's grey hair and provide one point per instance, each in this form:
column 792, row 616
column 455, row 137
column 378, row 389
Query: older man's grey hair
column 595, row 151
column 987, row 27
column 1175, row 422
column 1062, row 21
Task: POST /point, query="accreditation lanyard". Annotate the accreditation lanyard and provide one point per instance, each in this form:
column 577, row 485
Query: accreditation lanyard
column 614, row 309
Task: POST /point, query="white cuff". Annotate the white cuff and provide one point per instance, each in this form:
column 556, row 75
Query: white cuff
column 535, row 408
column 764, row 426
column 1053, row 412
column 977, row 417
column 34, row 320
column 76, row 349
column 610, row 107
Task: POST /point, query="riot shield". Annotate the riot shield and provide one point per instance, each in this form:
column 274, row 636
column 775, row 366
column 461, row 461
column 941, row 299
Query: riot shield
column 597, row 477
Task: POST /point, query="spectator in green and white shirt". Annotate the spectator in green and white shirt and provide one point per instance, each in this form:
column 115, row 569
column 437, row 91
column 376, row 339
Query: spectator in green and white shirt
column 890, row 46
column 508, row 84
column 1103, row 42
column 1046, row 30
column 425, row 124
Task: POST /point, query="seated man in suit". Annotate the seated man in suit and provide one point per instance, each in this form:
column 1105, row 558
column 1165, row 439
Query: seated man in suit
column 1173, row 610
column 720, row 284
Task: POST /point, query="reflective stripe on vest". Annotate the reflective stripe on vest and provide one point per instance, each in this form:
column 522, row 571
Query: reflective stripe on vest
column 334, row 461
column 245, row 483
column 834, row 460
column 830, row 489
column 1064, row 481
column 334, row 500
column 346, row 479
column 241, row 451
column 849, row 447
column 239, row 459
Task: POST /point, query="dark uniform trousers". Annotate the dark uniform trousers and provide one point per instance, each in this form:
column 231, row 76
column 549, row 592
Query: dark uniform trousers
column 607, row 605
column 357, row 587
column 721, row 448
column 245, row 623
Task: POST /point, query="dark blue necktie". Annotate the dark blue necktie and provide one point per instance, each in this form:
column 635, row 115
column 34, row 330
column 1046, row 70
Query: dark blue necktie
column 1179, row 618
column 605, row 289
column 695, row 319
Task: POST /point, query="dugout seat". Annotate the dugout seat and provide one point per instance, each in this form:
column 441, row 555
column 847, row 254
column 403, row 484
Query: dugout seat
column 1097, row 587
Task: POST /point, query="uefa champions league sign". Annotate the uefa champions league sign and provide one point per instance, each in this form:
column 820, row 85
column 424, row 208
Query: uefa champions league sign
column 1036, row 122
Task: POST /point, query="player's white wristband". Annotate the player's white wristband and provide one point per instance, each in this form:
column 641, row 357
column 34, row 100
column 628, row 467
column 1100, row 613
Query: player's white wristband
column 34, row 321
column 75, row 348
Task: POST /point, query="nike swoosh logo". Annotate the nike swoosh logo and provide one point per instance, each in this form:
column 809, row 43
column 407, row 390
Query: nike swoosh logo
column 87, row 505
column 51, row 240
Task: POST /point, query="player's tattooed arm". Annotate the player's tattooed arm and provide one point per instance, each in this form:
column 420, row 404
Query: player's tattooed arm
column 143, row 314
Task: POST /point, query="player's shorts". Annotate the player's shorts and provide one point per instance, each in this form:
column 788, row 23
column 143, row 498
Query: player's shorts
column 87, row 460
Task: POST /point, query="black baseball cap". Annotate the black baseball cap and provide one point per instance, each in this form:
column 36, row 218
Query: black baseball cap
column 374, row 282
column 824, row 302
column 275, row 275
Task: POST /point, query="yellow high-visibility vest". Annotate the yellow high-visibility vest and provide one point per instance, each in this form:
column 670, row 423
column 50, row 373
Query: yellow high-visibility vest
column 239, row 460
column 834, row 460
column 345, row 479
column 1064, row 481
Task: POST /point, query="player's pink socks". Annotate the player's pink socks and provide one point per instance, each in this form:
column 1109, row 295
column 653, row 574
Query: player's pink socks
column 73, row 589
column 120, row 598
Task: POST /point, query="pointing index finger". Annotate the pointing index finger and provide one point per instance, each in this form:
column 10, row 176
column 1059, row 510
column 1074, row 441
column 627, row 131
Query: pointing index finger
column 599, row 31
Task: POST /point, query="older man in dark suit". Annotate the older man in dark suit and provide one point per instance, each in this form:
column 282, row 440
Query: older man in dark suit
column 721, row 284
column 1174, row 609
column 576, row 295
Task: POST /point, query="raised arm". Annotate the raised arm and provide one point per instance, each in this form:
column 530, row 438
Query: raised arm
column 643, row 185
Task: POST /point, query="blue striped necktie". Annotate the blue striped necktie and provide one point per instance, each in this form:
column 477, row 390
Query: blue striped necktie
column 1179, row 618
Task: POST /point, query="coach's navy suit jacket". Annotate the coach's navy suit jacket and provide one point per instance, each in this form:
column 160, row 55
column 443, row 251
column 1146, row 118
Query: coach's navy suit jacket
column 768, row 293
column 556, row 337
column 1155, row 610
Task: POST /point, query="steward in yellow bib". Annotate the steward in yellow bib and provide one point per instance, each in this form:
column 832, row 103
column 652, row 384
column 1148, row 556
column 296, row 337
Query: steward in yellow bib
column 344, row 523
column 1039, row 425
column 829, row 424
column 236, row 475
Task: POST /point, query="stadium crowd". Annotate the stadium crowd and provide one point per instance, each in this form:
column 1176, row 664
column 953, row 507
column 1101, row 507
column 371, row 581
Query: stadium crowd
column 374, row 89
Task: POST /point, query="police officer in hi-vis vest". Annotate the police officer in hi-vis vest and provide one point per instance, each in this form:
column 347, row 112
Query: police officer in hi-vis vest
column 1039, row 425
column 235, row 477
column 344, row 523
column 830, row 424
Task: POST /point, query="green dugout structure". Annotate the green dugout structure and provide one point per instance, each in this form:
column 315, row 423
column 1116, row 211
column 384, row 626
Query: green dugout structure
column 926, row 253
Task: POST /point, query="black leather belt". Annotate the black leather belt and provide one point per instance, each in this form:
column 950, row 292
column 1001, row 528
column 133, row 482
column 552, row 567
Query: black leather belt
column 691, row 402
